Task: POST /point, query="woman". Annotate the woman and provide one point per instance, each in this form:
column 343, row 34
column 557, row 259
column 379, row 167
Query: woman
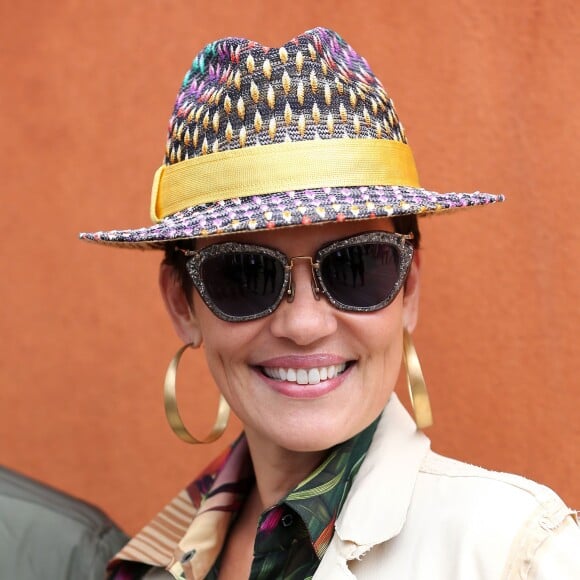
column 304, row 330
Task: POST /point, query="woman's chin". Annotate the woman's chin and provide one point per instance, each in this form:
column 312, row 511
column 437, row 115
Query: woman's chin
column 305, row 433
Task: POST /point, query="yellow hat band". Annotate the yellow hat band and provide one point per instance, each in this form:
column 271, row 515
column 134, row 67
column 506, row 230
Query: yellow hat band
column 291, row 166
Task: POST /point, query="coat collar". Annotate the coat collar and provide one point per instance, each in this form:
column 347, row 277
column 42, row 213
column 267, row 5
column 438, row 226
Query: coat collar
column 381, row 493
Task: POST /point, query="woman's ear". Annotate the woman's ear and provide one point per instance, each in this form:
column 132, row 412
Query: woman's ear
column 178, row 306
column 411, row 295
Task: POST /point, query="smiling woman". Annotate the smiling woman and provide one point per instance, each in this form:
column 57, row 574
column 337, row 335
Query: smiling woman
column 359, row 350
column 305, row 329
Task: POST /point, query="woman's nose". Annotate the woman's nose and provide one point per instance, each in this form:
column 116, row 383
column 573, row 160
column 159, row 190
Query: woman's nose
column 306, row 317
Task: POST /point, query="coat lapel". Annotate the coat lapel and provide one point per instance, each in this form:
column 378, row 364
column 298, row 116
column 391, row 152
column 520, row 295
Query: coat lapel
column 376, row 507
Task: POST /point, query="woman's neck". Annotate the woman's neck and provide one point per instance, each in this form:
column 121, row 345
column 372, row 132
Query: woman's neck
column 278, row 470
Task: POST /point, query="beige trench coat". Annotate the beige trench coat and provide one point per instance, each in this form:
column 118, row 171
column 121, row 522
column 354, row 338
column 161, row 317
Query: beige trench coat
column 414, row 515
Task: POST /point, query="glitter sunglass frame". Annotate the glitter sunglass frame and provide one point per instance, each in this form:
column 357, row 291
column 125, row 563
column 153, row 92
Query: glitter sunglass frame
column 196, row 259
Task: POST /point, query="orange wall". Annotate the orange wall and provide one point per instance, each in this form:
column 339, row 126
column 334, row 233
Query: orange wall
column 488, row 93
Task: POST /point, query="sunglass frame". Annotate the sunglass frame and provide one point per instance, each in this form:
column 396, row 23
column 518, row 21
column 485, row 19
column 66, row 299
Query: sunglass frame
column 196, row 258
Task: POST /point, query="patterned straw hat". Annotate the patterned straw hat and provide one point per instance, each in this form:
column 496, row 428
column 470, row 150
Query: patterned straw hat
column 273, row 137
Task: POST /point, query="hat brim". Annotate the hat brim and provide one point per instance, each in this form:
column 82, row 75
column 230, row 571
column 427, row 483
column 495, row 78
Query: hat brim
column 287, row 209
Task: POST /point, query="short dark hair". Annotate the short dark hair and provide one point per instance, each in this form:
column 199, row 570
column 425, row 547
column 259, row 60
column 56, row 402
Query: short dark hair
column 404, row 224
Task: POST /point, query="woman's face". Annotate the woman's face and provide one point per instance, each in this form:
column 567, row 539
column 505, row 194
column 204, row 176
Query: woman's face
column 309, row 338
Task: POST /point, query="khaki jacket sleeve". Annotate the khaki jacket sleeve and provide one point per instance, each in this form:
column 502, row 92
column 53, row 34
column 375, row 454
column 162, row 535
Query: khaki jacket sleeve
column 547, row 548
column 559, row 556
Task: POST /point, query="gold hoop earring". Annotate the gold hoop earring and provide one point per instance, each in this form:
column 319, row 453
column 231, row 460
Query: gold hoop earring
column 416, row 384
column 172, row 412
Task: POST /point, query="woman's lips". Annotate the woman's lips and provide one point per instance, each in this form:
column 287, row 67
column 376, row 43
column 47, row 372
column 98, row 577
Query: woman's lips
column 304, row 377
column 308, row 376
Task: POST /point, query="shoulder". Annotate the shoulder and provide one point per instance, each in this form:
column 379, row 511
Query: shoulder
column 46, row 529
column 490, row 501
column 476, row 488
column 486, row 513
column 467, row 522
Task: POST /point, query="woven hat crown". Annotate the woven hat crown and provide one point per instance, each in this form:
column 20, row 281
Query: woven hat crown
column 239, row 93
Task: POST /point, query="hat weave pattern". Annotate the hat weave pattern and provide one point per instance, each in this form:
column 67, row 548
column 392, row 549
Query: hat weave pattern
column 239, row 94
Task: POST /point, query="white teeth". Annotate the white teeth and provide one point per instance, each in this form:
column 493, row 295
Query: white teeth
column 304, row 376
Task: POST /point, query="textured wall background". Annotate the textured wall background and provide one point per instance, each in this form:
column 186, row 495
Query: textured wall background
column 488, row 94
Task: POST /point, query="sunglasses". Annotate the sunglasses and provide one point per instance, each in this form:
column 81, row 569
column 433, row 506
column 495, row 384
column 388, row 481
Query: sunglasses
column 241, row 282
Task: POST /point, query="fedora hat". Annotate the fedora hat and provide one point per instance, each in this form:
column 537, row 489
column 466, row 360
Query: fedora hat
column 263, row 138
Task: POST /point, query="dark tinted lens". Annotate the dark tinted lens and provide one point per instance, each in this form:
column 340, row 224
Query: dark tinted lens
column 243, row 284
column 361, row 275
